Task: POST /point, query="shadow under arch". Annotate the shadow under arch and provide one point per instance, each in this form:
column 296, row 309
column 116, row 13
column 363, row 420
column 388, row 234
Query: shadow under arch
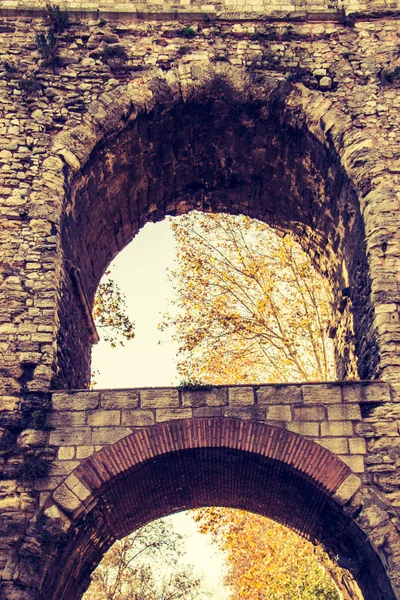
column 228, row 143
column 184, row 464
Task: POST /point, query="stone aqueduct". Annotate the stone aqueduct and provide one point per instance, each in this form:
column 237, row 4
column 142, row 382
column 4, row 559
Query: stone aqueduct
column 287, row 113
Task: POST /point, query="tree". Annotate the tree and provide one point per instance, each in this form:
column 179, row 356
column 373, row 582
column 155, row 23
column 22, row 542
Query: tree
column 110, row 313
column 251, row 308
column 142, row 566
column 249, row 304
column 268, row 561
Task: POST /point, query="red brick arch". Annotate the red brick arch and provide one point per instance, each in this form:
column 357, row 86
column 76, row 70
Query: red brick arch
column 315, row 464
column 184, row 464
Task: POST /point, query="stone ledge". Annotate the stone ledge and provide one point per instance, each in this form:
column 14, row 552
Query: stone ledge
column 126, row 12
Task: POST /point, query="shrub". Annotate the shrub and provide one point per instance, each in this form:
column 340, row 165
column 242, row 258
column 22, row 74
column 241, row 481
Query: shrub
column 59, row 19
column 390, row 75
column 114, row 52
column 29, row 85
column 187, row 31
column 33, row 468
column 48, row 49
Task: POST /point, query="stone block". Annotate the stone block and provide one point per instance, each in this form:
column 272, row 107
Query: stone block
column 77, row 487
column 8, row 403
column 67, row 453
column 323, row 393
column 375, row 430
column 108, row 435
column 278, row 394
column 255, row 413
column 165, row 414
column 375, row 392
column 104, row 418
column 62, row 467
column 127, row 399
column 309, row 413
column 355, row 462
column 84, row 451
column 352, row 392
column 345, row 412
column 66, row 499
column 64, row 418
column 198, row 398
column 68, row 437
column 208, row 411
column 347, row 489
column 304, row 428
column 357, row 446
column 137, row 417
column 159, row 398
column 279, row 413
column 75, row 401
column 336, row 429
column 32, row 438
column 335, row 445
column 241, row 396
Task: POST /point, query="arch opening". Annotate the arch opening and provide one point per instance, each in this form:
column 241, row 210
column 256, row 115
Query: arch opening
column 294, row 485
column 221, row 150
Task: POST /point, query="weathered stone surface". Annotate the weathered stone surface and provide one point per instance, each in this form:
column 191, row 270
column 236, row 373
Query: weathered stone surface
column 278, row 394
column 241, row 396
column 347, row 489
column 321, row 394
column 86, row 163
column 198, row 398
column 108, row 435
column 169, row 414
column 166, row 398
column 127, row 399
column 104, row 418
column 137, row 418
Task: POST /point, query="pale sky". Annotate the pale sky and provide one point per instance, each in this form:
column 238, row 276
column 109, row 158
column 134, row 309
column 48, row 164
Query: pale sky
column 141, row 273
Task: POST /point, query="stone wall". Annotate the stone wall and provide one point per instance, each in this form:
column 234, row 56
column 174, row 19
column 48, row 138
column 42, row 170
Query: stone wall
column 128, row 456
column 294, row 122
column 297, row 9
column 323, row 102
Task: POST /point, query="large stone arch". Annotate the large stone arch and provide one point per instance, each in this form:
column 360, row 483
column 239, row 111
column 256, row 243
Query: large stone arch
column 229, row 142
column 198, row 462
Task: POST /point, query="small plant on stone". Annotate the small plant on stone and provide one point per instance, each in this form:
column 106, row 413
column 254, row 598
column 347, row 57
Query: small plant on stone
column 9, row 67
column 47, row 46
column 30, row 85
column 59, row 19
column 187, row 31
column 390, row 75
column 33, row 468
column 113, row 53
column 190, row 384
column 183, row 50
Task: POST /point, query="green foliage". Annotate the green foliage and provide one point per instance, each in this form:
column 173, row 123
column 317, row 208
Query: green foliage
column 187, row 31
column 110, row 313
column 192, row 385
column 59, row 19
column 145, row 566
column 33, row 468
column 47, row 46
